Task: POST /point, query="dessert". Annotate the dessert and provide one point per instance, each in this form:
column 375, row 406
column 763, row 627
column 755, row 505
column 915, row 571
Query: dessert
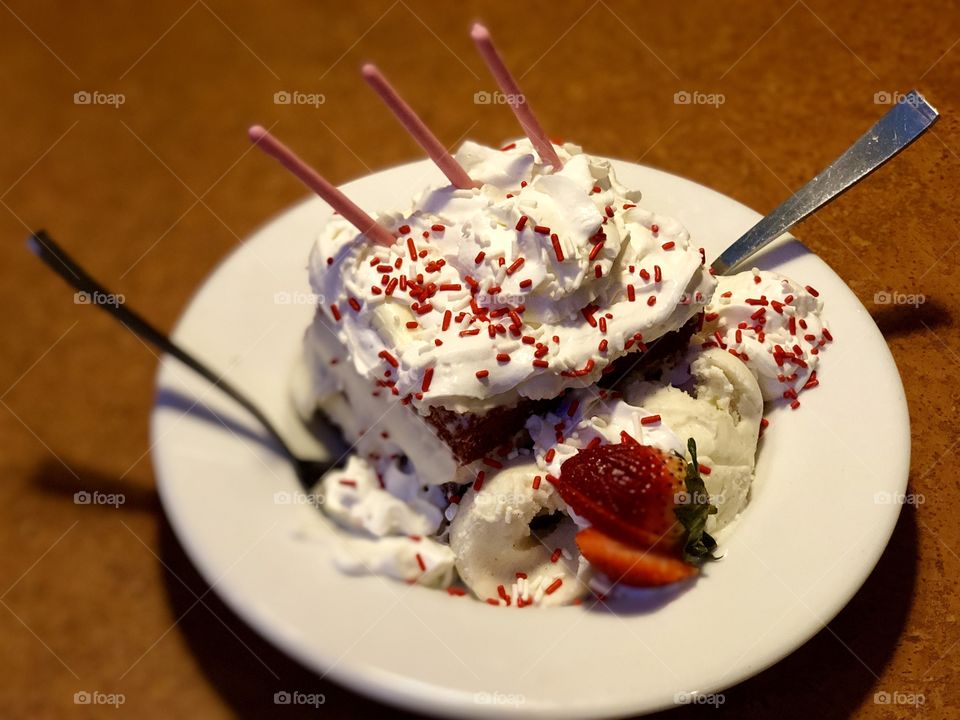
column 547, row 392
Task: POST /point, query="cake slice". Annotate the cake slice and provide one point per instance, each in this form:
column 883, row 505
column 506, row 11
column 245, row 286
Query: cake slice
column 491, row 303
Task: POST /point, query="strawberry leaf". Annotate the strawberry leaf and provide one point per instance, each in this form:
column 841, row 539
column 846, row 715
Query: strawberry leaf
column 693, row 514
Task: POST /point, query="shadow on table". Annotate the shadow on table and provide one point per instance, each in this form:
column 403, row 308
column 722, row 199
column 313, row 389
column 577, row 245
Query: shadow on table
column 834, row 673
column 899, row 320
column 245, row 669
column 53, row 478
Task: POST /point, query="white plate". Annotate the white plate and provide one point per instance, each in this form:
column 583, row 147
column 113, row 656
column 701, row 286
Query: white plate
column 818, row 520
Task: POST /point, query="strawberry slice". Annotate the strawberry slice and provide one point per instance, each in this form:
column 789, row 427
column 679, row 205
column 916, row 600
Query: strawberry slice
column 627, row 491
column 628, row 565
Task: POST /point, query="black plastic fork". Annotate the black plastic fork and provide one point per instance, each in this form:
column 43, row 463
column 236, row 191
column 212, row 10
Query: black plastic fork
column 42, row 245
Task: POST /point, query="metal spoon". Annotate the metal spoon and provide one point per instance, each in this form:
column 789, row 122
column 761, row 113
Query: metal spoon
column 308, row 471
column 903, row 124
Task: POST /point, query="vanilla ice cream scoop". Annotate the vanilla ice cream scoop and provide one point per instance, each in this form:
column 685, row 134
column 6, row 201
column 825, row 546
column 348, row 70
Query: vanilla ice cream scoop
column 722, row 414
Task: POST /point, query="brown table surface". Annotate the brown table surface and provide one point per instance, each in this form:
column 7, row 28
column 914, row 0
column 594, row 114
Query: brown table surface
column 154, row 193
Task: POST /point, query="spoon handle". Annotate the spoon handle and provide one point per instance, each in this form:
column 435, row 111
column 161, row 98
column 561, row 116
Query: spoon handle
column 54, row 256
column 903, row 124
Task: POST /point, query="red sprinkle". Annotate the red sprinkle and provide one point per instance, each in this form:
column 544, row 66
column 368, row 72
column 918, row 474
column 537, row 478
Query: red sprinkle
column 515, row 265
column 631, row 294
column 354, row 304
column 412, row 248
column 657, row 275
column 650, row 420
column 541, row 229
column 456, row 592
column 668, row 245
column 427, row 377
column 554, row 586
column 479, row 258
column 652, row 300
column 536, row 486
column 478, row 483
column 438, row 227
column 503, row 357
column 421, row 563
column 585, row 370
column 558, row 251
column 389, row 358
column 555, row 555
column 526, row 283
column 812, row 291
column 521, row 223
column 704, row 470
column 481, row 374
column 655, row 228
column 335, row 311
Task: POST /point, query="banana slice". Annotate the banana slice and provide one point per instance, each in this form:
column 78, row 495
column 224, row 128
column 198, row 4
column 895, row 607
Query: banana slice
column 511, row 541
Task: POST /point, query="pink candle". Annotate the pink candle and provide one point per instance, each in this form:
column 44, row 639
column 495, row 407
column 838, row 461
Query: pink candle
column 321, row 186
column 518, row 102
column 417, row 129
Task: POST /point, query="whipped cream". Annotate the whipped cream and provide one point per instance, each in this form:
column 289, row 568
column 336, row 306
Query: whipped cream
column 771, row 323
column 532, row 283
column 392, row 502
column 422, row 561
